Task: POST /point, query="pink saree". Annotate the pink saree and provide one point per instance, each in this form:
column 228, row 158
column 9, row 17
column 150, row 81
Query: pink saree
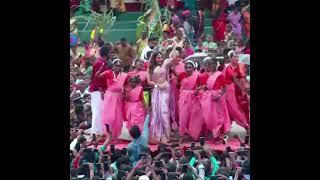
column 174, row 93
column 233, row 107
column 113, row 104
column 215, row 112
column 134, row 108
column 190, row 119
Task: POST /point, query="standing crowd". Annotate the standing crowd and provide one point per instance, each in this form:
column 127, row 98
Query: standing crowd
column 184, row 84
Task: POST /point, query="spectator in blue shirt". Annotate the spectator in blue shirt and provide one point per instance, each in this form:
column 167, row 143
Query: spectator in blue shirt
column 140, row 141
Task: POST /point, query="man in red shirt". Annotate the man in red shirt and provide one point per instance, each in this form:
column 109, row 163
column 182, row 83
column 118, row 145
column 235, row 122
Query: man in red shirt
column 97, row 88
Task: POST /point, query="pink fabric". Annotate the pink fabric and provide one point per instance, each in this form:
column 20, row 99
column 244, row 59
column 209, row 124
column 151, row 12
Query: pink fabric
column 141, row 74
column 233, row 107
column 188, row 52
column 190, row 119
column 215, row 112
column 113, row 104
column 134, row 108
column 179, row 68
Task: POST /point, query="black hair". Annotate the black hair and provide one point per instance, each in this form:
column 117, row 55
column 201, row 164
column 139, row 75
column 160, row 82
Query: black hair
column 189, row 62
column 78, row 109
column 104, row 51
column 88, row 63
column 152, row 39
column 135, row 132
column 135, row 79
column 153, row 63
column 225, row 51
column 179, row 49
column 100, row 42
column 186, row 41
column 123, row 39
column 198, row 50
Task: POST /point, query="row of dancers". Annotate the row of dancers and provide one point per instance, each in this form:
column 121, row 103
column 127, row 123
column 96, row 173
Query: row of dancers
column 195, row 102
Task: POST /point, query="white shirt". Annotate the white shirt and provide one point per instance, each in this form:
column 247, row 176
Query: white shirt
column 144, row 52
column 230, row 2
column 73, row 144
column 85, row 92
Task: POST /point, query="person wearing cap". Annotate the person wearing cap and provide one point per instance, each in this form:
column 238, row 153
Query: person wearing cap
column 190, row 122
column 213, row 102
column 113, row 100
column 96, row 90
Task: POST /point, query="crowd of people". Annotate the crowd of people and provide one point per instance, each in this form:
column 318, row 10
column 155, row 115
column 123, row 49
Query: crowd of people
column 186, row 86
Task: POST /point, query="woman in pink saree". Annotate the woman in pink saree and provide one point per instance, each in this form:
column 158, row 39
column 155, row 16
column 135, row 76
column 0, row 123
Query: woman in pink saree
column 113, row 102
column 138, row 71
column 157, row 77
column 213, row 102
column 190, row 116
column 134, row 104
column 235, row 111
column 176, row 69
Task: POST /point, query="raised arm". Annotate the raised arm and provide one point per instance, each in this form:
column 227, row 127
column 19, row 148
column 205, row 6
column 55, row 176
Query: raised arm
column 145, row 132
column 151, row 83
column 214, row 162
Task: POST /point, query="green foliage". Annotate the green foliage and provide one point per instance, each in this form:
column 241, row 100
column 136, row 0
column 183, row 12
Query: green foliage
column 153, row 19
column 101, row 21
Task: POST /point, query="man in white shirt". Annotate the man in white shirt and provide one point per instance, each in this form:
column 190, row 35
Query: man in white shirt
column 152, row 42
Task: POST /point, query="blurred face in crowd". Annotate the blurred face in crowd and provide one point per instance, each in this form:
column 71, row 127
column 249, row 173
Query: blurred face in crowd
column 123, row 42
column 189, row 68
column 117, row 67
column 153, row 44
column 186, row 44
column 144, row 35
column 200, row 42
column 179, row 34
column 133, row 83
column 82, row 86
column 208, row 66
column 209, row 38
column 159, row 59
column 139, row 65
column 86, row 80
column 234, row 59
column 72, row 79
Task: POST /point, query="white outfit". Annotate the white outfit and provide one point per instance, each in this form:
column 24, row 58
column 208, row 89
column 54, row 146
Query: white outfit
column 144, row 52
column 73, row 144
column 96, row 107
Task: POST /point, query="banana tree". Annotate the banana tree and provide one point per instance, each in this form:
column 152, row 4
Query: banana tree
column 101, row 21
column 153, row 19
